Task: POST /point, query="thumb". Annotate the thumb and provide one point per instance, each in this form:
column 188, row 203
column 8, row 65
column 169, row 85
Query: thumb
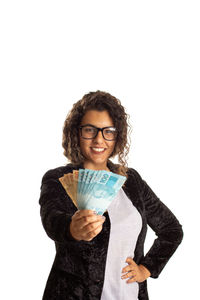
column 130, row 261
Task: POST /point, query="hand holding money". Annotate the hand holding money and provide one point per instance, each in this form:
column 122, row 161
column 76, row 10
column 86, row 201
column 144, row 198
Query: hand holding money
column 92, row 189
column 85, row 225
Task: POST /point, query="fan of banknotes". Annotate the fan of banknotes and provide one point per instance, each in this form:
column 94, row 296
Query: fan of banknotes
column 91, row 189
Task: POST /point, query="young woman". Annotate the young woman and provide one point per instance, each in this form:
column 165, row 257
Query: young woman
column 102, row 257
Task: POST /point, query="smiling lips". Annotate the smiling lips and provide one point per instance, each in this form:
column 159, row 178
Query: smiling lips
column 98, row 150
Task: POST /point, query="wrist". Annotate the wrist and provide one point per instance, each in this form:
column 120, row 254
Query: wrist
column 145, row 271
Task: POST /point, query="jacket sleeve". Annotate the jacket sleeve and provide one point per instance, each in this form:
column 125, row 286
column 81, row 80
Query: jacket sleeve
column 56, row 208
column 167, row 228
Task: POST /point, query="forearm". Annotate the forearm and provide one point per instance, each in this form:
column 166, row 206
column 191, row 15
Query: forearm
column 167, row 228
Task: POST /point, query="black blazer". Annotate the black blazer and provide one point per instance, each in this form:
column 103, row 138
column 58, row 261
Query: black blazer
column 79, row 266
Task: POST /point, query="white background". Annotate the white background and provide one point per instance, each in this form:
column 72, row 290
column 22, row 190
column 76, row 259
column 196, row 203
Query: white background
column 146, row 53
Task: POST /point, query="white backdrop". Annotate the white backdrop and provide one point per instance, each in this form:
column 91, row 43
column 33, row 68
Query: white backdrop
column 146, row 53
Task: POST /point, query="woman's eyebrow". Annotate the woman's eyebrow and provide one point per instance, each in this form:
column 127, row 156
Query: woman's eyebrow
column 88, row 124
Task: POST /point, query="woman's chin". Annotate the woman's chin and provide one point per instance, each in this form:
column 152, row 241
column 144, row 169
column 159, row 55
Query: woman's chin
column 95, row 164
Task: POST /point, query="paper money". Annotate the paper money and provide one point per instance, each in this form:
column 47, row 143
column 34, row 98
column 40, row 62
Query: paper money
column 103, row 191
column 91, row 189
column 70, row 182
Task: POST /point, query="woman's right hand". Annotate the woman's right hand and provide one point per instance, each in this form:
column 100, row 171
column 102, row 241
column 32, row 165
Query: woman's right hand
column 85, row 225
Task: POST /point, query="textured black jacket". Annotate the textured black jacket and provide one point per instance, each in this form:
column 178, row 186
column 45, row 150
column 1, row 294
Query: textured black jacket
column 79, row 266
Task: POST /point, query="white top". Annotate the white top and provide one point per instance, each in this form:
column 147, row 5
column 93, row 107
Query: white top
column 126, row 224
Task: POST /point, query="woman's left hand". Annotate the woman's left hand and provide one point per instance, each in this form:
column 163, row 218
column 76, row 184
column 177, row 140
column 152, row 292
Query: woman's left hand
column 135, row 272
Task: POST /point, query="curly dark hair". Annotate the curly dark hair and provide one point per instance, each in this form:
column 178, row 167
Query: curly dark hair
column 99, row 101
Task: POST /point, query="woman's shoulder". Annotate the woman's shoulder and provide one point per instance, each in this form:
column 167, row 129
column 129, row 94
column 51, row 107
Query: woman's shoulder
column 134, row 178
column 133, row 172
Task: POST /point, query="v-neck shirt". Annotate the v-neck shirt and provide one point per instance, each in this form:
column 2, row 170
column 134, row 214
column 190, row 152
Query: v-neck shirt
column 126, row 224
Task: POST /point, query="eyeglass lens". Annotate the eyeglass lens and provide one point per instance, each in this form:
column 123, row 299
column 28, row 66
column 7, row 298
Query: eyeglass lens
column 90, row 132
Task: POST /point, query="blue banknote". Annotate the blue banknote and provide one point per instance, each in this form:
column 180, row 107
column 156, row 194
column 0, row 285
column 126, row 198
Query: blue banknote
column 97, row 189
column 86, row 181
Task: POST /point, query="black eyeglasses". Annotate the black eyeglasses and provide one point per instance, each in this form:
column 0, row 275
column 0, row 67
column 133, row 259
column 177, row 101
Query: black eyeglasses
column 89, row 131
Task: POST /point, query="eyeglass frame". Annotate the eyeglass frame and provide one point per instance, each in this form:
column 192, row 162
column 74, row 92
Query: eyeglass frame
column 98, row 129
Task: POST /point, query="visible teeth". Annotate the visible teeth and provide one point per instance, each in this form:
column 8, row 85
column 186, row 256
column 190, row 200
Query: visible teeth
column 98, row 149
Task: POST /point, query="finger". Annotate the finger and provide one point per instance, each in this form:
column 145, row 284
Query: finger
column 76, row 215
column 127, row 269
column 83, row 212
column 93, row 233
column 132, row 279
column 87, row 212
column 89, row 220
column 129, row 260
column 93, row 226
column 131, row 265
column 82, row 232
column 128, row 275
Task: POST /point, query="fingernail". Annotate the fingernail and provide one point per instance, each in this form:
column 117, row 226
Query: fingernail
column 103, row 217
column 94, row 212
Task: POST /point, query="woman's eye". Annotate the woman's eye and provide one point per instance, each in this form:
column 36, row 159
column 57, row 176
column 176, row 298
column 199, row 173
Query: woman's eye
column 89, row 130
column 108, row 131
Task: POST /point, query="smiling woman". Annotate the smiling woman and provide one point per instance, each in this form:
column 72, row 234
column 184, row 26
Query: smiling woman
column 92, row 250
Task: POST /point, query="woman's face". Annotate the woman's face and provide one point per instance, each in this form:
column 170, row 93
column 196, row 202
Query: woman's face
column 93, row 159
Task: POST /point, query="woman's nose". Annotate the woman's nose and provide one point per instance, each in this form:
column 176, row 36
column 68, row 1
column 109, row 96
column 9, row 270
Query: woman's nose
column 99, row 137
